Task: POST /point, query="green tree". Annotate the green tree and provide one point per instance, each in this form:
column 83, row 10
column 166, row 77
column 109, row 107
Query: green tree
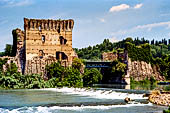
column 72, row 78
column 2, row 62
column 91, row 76
column 118, row 68
column 55, row 70
column 77, row 63
column 8, row 50
column 11, row 69
column 14, row 47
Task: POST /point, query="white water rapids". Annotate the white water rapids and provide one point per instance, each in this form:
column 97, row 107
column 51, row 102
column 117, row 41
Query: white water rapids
column 99, row 94
column 77, row 99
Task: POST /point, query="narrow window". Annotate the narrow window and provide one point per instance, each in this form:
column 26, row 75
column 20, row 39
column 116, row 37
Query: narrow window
column 39, row 28
column 43, row 39
column 32, row 25
column 62, row 40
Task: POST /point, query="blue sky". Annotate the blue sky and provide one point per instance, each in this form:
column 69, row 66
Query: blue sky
column 95, row 20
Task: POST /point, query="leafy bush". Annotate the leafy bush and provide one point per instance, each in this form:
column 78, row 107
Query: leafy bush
column 139, row 53
column 91, row 76
column 72, row 78
column 118, row 68
column 55, row 70
column 77, row 63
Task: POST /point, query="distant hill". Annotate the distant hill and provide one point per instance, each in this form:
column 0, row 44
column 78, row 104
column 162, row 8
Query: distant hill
column 158, row 48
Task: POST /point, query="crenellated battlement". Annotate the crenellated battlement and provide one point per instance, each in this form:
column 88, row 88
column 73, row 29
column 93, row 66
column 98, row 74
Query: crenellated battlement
column 41, row 24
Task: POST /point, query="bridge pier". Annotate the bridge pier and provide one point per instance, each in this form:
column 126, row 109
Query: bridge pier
column 127, row 78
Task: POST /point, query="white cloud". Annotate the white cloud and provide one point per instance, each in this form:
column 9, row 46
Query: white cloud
column 16, row 3
column 124, row 7
column 137, row 6
column 114, row 39
column 119, row 8
column 150, row 26
column 147, row 27
column 102, row 20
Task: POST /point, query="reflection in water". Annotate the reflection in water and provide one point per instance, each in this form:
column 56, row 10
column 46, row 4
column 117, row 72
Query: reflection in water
column 134, row 86
column 115, row 86
column 150, row 87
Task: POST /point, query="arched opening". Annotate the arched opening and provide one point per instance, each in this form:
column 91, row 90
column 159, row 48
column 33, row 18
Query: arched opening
column 61, row 56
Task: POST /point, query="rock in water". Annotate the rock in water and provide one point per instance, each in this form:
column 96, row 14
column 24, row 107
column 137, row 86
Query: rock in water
column 127, row 99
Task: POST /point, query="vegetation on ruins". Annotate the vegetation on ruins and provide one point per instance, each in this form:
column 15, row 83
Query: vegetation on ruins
column 57, row 75
column 69, row 76
column 155, row 52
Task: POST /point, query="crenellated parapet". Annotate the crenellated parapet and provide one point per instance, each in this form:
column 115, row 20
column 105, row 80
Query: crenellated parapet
column 41, row 24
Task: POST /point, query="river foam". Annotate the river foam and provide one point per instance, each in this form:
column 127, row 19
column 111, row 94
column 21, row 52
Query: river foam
column 99, row 94
column 57, row 109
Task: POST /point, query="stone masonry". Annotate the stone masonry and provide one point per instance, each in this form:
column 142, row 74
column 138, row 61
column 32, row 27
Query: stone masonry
column 138, row 70
column 43, row 42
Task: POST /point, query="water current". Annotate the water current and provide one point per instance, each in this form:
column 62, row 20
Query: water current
column 75, row 100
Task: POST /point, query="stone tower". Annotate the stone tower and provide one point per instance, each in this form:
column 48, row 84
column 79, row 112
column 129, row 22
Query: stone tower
column 45, row 38
column 44, row 42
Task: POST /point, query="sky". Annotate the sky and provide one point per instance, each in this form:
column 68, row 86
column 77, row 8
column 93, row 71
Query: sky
column 95, row 20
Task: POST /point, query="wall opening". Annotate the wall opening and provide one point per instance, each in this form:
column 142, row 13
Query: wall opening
column 58, row 29
column 41, row 54
column 39, row 28
column 43, row 39
column 62, row 40
column 61, row 56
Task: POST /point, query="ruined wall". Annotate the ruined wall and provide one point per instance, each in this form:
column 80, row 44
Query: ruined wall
column 46, row 39
column 109, row 56
column 20, row 53
column 141, row 70
column 37, row 65
column 10, row 60
column 47, row 35
column 138, row 70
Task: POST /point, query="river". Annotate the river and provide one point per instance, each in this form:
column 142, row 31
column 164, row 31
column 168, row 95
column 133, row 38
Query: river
column 75, row 100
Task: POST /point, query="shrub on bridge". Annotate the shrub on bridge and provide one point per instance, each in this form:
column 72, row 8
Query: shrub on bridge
column 118, row 68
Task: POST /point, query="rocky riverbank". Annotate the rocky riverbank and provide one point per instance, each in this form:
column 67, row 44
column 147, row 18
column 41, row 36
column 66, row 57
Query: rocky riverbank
column 160, row 98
